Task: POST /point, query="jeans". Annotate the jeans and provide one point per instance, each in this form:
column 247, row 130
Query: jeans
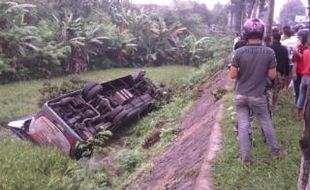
column 305, row 80
column 259, row 107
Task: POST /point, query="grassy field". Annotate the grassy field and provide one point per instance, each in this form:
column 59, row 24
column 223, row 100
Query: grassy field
column 21, row 98
column 265, row 173
column 59, row 171
column 127, row 155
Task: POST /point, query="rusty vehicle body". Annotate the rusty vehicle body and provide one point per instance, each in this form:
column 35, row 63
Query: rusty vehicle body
column 80, row 115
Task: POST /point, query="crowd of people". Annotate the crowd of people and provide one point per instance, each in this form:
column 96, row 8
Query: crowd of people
column 261, row 65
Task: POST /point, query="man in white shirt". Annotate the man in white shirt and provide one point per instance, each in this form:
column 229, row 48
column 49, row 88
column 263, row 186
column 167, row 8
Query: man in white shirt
column 291, row 42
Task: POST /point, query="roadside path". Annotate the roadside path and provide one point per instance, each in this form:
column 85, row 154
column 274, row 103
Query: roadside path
column 186, row 164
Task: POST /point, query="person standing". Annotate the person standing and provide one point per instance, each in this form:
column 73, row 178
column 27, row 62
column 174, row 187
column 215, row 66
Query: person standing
column 251, row 66
column 297, row 59
column 305, row 80
column 283, row 64
column 290, row 41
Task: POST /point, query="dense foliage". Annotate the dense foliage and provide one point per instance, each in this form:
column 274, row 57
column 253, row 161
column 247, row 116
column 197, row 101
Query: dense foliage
column 47, row 38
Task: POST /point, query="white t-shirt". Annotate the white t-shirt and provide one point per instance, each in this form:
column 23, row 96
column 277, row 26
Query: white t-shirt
column 290, row 43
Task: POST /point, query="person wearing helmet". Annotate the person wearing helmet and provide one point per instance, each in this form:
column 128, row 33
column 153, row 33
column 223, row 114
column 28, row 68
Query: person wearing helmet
column 297, row 59
column 251, row 65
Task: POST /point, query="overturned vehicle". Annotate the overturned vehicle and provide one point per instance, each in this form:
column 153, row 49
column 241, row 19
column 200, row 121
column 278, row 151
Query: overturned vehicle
column 77, row 116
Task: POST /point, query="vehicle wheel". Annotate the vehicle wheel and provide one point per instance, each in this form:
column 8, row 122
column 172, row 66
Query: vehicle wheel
column 87, row 87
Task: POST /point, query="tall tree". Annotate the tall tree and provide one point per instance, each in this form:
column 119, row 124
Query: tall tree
column 254, row 9
column 290, row 10
column 270, row 18
column 219, row 15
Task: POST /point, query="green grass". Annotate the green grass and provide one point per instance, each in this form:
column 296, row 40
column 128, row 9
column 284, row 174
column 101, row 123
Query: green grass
column 21, row 98
column 136, row 135
column 265, row 173
column 29, row 167
column 18, row 99
column 24, row 166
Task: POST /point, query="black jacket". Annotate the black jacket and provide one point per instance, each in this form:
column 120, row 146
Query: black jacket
column 283, row 63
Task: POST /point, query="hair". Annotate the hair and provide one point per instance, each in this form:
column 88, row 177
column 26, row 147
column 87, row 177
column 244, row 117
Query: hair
column 287, row 31
column 276, row 30
column 303, row 39
column 255, row 35
column 240, row 44
column 276, row 37
column 267, row 41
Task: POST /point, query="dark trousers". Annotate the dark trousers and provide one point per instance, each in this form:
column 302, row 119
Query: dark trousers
column 297, row 86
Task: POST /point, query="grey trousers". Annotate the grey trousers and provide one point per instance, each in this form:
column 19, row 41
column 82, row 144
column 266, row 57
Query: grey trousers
column 258, row 105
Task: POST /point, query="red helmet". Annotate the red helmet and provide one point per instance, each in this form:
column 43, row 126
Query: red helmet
column 254, row 28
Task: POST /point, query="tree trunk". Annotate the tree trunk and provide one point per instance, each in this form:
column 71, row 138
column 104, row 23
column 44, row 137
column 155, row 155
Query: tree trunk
column 254, row 9
column 270, row 19
column 78, row 61
column 261, row 5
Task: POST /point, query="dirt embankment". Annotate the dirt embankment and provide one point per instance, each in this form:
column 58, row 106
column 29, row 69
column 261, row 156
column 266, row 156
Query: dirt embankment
column 185, row 165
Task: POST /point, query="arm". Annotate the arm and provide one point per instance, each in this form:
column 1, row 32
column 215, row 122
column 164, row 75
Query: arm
column 294, row 71
column 272, row 73
column 286, row 63
column 272, row 67
column 233, row 72
column 234, row 66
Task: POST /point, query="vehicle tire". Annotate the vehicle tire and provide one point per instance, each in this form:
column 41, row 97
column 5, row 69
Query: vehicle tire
column 87, row 87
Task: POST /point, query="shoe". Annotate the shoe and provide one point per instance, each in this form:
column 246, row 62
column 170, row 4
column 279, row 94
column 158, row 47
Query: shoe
column 280, row 154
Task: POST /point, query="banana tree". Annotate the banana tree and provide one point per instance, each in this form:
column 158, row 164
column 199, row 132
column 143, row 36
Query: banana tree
column 16, row 38
column 197, row 50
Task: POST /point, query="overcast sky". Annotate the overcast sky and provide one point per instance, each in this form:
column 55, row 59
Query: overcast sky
column 210, row 3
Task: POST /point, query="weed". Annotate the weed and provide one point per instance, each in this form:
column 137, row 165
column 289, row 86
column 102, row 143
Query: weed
column 93, row 145
column 129, row 160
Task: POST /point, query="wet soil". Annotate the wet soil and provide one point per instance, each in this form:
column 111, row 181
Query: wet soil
column 187, row 163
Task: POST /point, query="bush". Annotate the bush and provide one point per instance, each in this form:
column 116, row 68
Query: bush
column 129, row 160
column 93, row 145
